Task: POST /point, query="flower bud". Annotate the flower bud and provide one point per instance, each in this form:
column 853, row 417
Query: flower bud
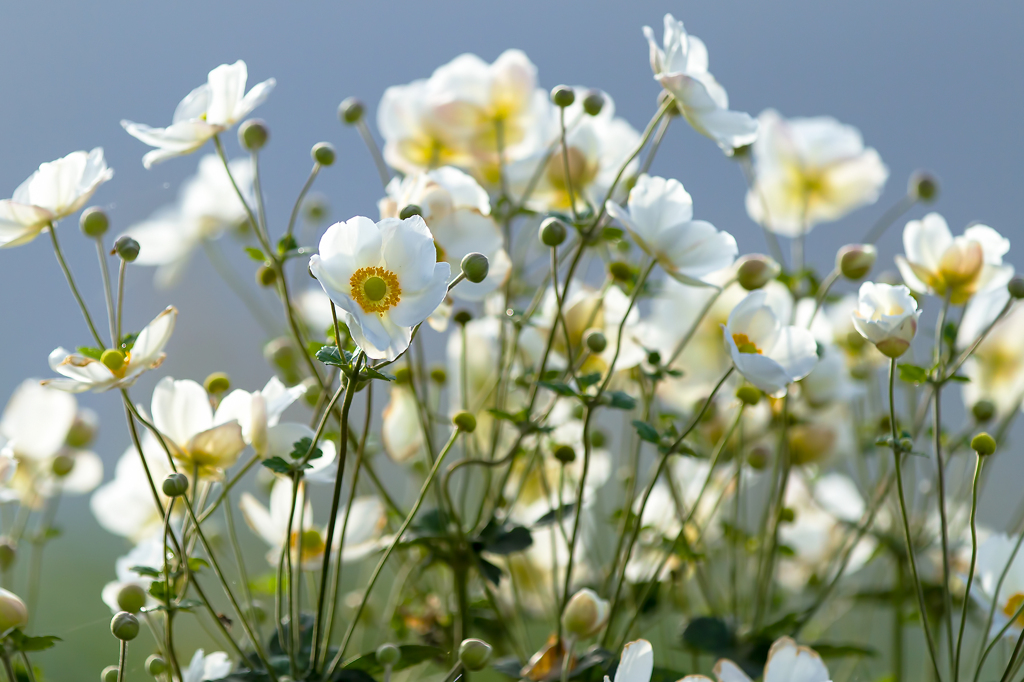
column 62, row 465
column 562, row 96
column 923, row 186
column 593, row 102
column 109, row 674
column 595, row 340
column 323, row 153
column 402, row 375
column 8, row 553
column 1016, row 287
column 439, row 375
column 887, row 317
column 983, row 411
column 175, row 485
column 748, row 394
column 83, row 429
column 462, row 317
column 266, row 275
column 475, row 266
column 155, row 665
column 585, row 614
column 124, row 626
column 809, row 443
column 620, row 270
column 474, row 654
column 253, row 134
column 758, row 458
column 552, row 232
column 787, row 515
column 565, row 454
column 217, row 382
column 856, row 260
column 598, row 438
column 906, row 444
column 983, row 444
column 350, row 111
column 409, row 211
column 112, row 359
column 756, row 270
column 13, row 612
column 388, row 654
column 127, row 248
column 131, row 598
column 465, row 421
column 94, row 222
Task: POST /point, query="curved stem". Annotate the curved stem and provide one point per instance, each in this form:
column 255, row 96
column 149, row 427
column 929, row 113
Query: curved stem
column 371, row 145
column 302, row 195
column 71, row 283
column 970, row 572
column 905, row 203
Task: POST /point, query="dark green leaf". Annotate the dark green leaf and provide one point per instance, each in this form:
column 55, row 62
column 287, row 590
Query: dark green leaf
column 286, row 244
column 621, row 400
column 374, row 374
column 587, row 380
column 158, row 589
column 302, row 446
column 958, row 378
column 558, row 387
column 23, row 642
column 255, row 254
column 277, row 464
column 147, row 571
column 489, row 571
column 913, row 374
column 708, row 634
column 329, row 355
column 566, row 511
column 512, row 540
column 646, row 431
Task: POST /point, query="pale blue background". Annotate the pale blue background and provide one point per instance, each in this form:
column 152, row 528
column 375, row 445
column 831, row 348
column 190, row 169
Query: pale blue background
column 930, row 85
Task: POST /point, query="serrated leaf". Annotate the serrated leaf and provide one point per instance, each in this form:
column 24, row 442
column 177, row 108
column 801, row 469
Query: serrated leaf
column 147, row 571
column 278, row 465
column 23, row 642
column 329, row 355
column 90, row 352
column 256, row 254
column 558, row 387
column 913, row 374
column 646, row 431
column 620, row 400
column 302, row 446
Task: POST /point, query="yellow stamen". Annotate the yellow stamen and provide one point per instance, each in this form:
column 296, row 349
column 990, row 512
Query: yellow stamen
column 1012, row 604
column 375, row 289
column 745, row 345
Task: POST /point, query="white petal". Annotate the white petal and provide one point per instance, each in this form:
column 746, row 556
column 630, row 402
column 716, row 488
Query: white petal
column 181, row 409
column 789, row 663
column 925, row 240
column 227, row 87
column 637, row 662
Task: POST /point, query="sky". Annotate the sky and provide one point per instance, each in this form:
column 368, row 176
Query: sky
column 930, row 86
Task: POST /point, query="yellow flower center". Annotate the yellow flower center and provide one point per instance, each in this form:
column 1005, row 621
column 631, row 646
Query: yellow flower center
column 1011, row 607
column 745, row 345
column 312, row 544
column 375, row 289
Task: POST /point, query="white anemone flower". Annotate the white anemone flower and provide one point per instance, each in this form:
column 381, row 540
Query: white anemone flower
column 660, row 218
column 258, row 412
column 681, row 66
column 207, row 207
column 993, row 556
column 201, row 668
column 87, row 373
column 767, row 353
column 55, row 191
column 886, row 316
column 636, row 664
column 210, row 109
column 787, row 662
column 937, row 263
column 384, row 278
column 996, row 367
column 457, row 211
column 149, row 554
column 809, row 171
column 401, row 429
column 124, row 505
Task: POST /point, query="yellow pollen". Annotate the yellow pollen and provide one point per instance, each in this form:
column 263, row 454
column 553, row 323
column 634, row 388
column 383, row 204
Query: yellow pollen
column 312, row 544
column 376, row 290
column 1012, row 604
column 745, row 345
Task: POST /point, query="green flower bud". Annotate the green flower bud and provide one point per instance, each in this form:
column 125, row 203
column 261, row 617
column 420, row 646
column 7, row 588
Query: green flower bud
column 109, row 674
column 112, row 359
column 253, row 134
column 462, row 317
column 906, row 444
column 388, row 654
column 13, row 612
column 94, row 222
column 402, row 375
column 127, row 248
column 593, row 102
column 474, row 654
column 620, row 270
column 155, row 665
column 124, row 626
column 598, row 438
column 266, row 275
column 439, row 375
column 983, row 411
column 8, row 553
column 856, row 260
column 465, row 421
column 83, row 429
column 175, row 485
column 585, row 614
column 1016, row 287
column 62, row 465
column 552, row 232
column 758, row 458
column 565, row 454
column 350, row 111
column 595, row 340
column 562, row 96
column 218, row 382
column 787, row 515
column 923, row 186
column 409, row 211
column 323, row 153
column 983, row 444
column 131, row 598
column 654, row 358
column 475, row 266
column 756, row 270
column 749, row 395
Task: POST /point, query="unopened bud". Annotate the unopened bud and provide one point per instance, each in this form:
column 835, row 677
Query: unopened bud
column 94, row 222
column 856, row 260
column 323, row 153
column 218, row 382
column 654, row 358
column 388, row 654
column 131, row 598
column 620, row 270
column 253, row 134
column 749, row 395
column 758, row 458
column 124, row 626
column 439, row 375
column 552, row 232
column 402, row 375
column 475, row 267
column 465, row 421
column 474, row 654
column 109, row 674
column 593, row 102
column 8, row 553
column 175, row 485
column 409, row 211
column 585, row 614
column 127, row 248
column 62, row 465
column 598, row 438
column 906, row 444
column 155, row 665
column 462, row 317
column 787, row 515
column 1016, row 287
column 565, row 454
column 13, row 612
column 983, row 411
column 562, row 96
column 112, row 359
column 350, row 111
column 266, row 275
column 983, row 444
column 756, row 270
column 596, row 340
column 83, row 429
column 923, row 186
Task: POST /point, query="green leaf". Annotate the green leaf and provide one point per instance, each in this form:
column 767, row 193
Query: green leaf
column 411, row 654
column 375, row 374
column 90, row 352
column 913, row 374
column 558, row 387
column 23, row 642
column 565, row 510
column 196, row 563
column 832, row 650
column 147, row 571
column 621, row 400
column 277, row 464
column 256, row 254
column 505, row 542
column 491, row 572
column 302, row 446
column 128, row 341
column 959, row 378
column 646, row 431
column 158, row 589
column 329, row 355
column 286, row 244
column 588, row 380
column 708, row 634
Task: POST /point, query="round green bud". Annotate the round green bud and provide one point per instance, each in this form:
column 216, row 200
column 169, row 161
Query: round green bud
column 654, row 358
column 983, row 411
column 253, row 134
column 585, row 614
column 94, row 222
column 923, row 186
column 758, row 458
column 127, row 248
column 475, row 267
column 439, row 375
column 465, row 421
column 62, row 465
column 756, row 270
column 266, row 275
column 175, row 485
column 8, row 553
column 112, row 359
column 109, row 674
column 906, row 444
column 323, row 153
column 787, row 515
column 1016, row 287
column 131, row 598
column 13, row 612
column 552, row 232
column 83, row 429
column 749, row 395
column 620, row 270
column 403, row 375
column 462, row 317
column 593, row 102
column 124, row 626
column 388, row 654
column 983, row 444
column 350, row 111
column 856, row 260
column 155, row 665
column 598, row 438
column 474, row 654
column 409, row 211
column 562, row 96
column 595, row 340
column 565, row 454
column 218, row 382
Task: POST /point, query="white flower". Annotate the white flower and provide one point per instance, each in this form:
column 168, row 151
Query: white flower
column 124, row 505
column 258, row 412
column 85, row 373
column 212, row 108
column 148, row 553
column 207, row 207
column 996, row 367
column 809, row 171
column 993, row 557
column 787, row 662
column 458, row 213
column 767, row 353
column 886, row 316
column 681, row 66
column 216, row 666
column 55, row 191
column 401, row 430
column 936, row 263
column 384, row 278
column 660, row 218
column 636, row 664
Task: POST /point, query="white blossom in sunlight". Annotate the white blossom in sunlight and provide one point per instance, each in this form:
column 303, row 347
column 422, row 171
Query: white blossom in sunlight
column 937, row 263
column 204, row 667
column 809, row 171
column 259, row 412
column 680, row 64
column 996, row 367
column 55, row 191
column 886, row 316
column 384, row 279
column 209, row 110
column 401, row 429
column 766, row 352
column 148, row 554
column 993, row 556
column 314, row 306
column 207, row 207
column 787, row 662
column 636, row 663
column 660, row 219
column 87, row 373
column 457, row 212
column 124, row 505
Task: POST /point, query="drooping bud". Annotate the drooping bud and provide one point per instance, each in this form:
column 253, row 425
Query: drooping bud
column 552, row 232
column 475, row 267
column 127, row 248
column 983, row 411
column 266, row 275
column 62, row 465
column 923, row 186
column 565, row 454
column 593, row 102
column 323, row 153
column 983, row 444
column 13, row 612
column 155, row 665
column 94, row 222
column 1016, row 287
column 217, row 382
column 756, row 270
column 749, row 395
column 462, row 317
column 350, row 111
column 465, row 421
column 585, row 614
column 856, row 260
column 409, row 211
column 388, row 654
column 124, row 626
column 175, row 485
column 474, row 654
column 253, row 134
column 112, row 359
column 595, row 340
column 83, row 429
column 562, row 96
column 131, row 598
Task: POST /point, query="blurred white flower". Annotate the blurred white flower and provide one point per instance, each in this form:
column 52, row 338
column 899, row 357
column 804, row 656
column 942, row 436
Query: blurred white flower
column 401, row 429
column 809, row 171
column 124, row 505
column 996, row 367
column 149, row 554
column 212, row 108
column 384, row 278
column 636, row 664
column 787, row 662
column 55, row 191
column 993, row 557
column 216, row 666
column 660, row 218
column 258, row 412
column 680, row 64
column 886, row 316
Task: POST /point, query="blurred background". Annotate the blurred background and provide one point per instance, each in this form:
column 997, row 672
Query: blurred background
column 929, row 86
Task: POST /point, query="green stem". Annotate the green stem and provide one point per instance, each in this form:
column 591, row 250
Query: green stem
column 122, row 659
column 107, row 295
column 71, row 283
column 302, row 195
column 905, row 203
column 970, row 572
column 371, row 145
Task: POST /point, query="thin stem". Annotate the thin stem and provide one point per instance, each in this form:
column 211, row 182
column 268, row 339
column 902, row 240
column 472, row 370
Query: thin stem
column 71, row 283
column 822, row 293
column 905, row 203
column 983, row 654
column 107, row 294
column 974, row 559
column 302, row 195
column 120, row 299
column 223, row 268
column 378, row 158
column 655, row 143
column 681, row 346
column 122, row 659
column 565, row 165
